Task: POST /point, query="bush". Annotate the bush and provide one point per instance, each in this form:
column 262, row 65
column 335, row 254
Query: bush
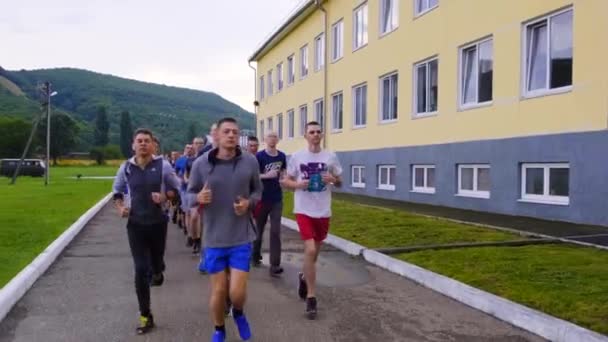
column 101, row 154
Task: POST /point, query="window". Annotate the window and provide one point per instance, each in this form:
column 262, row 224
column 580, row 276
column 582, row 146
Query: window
column 337, row 47
column 386, row 177
column 426, row 87
column 474, row 180
column 280, row 76
column 303, row 119
column 290, row 123
column 319, row 114
column 262, row 87
column 388, row 94
column 545, row 183
column 357, row 176
column 269, row 124
column 319, row 52
column 423, row 6
column 261, row 137
column 476, row 68
column 270, row 86
column 423, row 178
column 291, row 70
column 337, row 115
column 280, row 125
column 360, row 27
column 389, row 15
column 304, row 61
column 360, row 105
column 548, row 58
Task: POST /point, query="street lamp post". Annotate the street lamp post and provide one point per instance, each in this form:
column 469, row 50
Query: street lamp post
column 49, row 94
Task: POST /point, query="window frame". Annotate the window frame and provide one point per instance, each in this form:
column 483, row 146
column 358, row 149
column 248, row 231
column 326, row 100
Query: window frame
column 315, row 114
column 365, row 25
column 395, row 117
column 426, row 62
column 334, row 57
column 545, row 198
column 304, row 65
column 262, row 86
column 305, row 121
column 418, row 14
column 280, row 126
column 280, row 80
column 388, row 186
column 335, row 129
column 354, row 106
column 319, row 55
column 360, row 183
column 291, row 118
column 381, row 24
column 525, row 68
column 425, row 189
column 476, row 193
column 291, row 70
column 270, row 83
column 461, row 71
column 270, row 124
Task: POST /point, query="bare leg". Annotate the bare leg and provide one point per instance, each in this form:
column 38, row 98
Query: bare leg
column 218, row 297
column 311, row 254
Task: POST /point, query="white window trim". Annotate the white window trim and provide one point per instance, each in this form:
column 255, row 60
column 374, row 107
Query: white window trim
column 390, row 187
column 415, row 114
column 280, row 78
column 364, row 44
column 302, row 125
column 304, row 48
column 270, row 83
column 336, row 130
column 291, row 135
column 525, row 94
column 545, row 198
column 280, row 125
column 422, row 189
column 380, row 26
column 293, row 63
column 358, row 184
column 354, row 106
column 314, row 112
column 421, row 13
column 320, row 64
column 461, row 104
column 333, row 37
column 380, row 102
column 475, row 192
column 262, row 85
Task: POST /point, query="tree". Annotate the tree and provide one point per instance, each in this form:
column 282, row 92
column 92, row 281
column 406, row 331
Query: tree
column 64, row 134
column 192, row 132
column 14, row 133
column 102, row 127
column 126, row 134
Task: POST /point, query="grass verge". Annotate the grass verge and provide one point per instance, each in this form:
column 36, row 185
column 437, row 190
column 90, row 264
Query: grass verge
column 32, row 215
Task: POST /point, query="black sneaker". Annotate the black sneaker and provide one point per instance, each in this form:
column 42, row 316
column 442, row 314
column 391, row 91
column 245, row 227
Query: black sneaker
column 157, row 279
column 302, row 287
column 189, row 242
column 311, row 307
column 146, row 323
column 256, row 262
column 275, row 271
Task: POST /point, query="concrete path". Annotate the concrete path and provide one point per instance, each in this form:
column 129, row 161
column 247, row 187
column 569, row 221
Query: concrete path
column 88, row 295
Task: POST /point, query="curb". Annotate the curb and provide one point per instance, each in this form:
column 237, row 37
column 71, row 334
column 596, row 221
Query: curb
column 12, row 292
column 539, row 323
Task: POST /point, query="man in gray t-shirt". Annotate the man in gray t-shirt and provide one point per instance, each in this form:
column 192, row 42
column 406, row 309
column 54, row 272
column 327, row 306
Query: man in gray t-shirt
column 226, row 182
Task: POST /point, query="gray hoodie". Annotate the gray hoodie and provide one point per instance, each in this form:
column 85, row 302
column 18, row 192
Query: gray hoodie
column 227, row 179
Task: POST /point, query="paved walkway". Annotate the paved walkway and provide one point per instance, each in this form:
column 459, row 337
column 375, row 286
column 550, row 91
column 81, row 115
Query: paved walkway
column 88, row 295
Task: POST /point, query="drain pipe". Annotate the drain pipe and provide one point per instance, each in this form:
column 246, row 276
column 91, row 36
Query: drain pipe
column 325, row 66
column 255, row 96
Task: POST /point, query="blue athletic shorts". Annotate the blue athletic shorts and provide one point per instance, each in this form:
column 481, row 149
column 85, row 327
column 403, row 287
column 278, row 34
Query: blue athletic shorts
column 237, row 257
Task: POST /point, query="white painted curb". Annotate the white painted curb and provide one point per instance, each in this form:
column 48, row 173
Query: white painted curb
column 22, row 282
column 549, row 327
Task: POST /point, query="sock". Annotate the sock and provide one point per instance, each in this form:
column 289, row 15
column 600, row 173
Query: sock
column 237, row 313
column 221, row 328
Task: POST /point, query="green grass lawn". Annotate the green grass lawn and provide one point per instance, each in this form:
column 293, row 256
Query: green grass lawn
column 32, row 215
column 565, row 281
column 378, row 227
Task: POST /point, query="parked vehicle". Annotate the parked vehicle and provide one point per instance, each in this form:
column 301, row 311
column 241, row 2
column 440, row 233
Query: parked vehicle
column 29, row 167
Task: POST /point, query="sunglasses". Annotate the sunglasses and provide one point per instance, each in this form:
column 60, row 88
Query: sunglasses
column 314, row 132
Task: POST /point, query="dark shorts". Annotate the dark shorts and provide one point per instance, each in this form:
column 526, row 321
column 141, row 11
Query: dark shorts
column 237, row 257
column 312, row 228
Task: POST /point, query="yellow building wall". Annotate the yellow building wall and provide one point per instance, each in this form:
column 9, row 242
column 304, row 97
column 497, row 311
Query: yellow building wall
column 441, row 32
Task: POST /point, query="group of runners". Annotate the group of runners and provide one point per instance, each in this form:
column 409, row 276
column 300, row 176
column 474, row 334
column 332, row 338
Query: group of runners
column 223, row 196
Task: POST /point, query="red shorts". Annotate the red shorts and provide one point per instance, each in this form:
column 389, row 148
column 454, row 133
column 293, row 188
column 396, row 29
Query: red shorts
column 313, row 228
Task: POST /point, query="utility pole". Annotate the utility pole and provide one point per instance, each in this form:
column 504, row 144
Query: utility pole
column 47, row 90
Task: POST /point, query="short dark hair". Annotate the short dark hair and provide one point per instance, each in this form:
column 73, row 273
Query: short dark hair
column 252, row 138
column 312, row 123
column 144, row 131
column 227, row 119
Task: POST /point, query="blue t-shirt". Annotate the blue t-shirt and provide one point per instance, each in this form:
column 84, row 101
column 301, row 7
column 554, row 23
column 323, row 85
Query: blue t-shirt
column 272, row 191
column 180, row 165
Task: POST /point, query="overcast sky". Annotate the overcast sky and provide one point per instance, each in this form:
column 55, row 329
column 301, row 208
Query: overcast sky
column 199, row 44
